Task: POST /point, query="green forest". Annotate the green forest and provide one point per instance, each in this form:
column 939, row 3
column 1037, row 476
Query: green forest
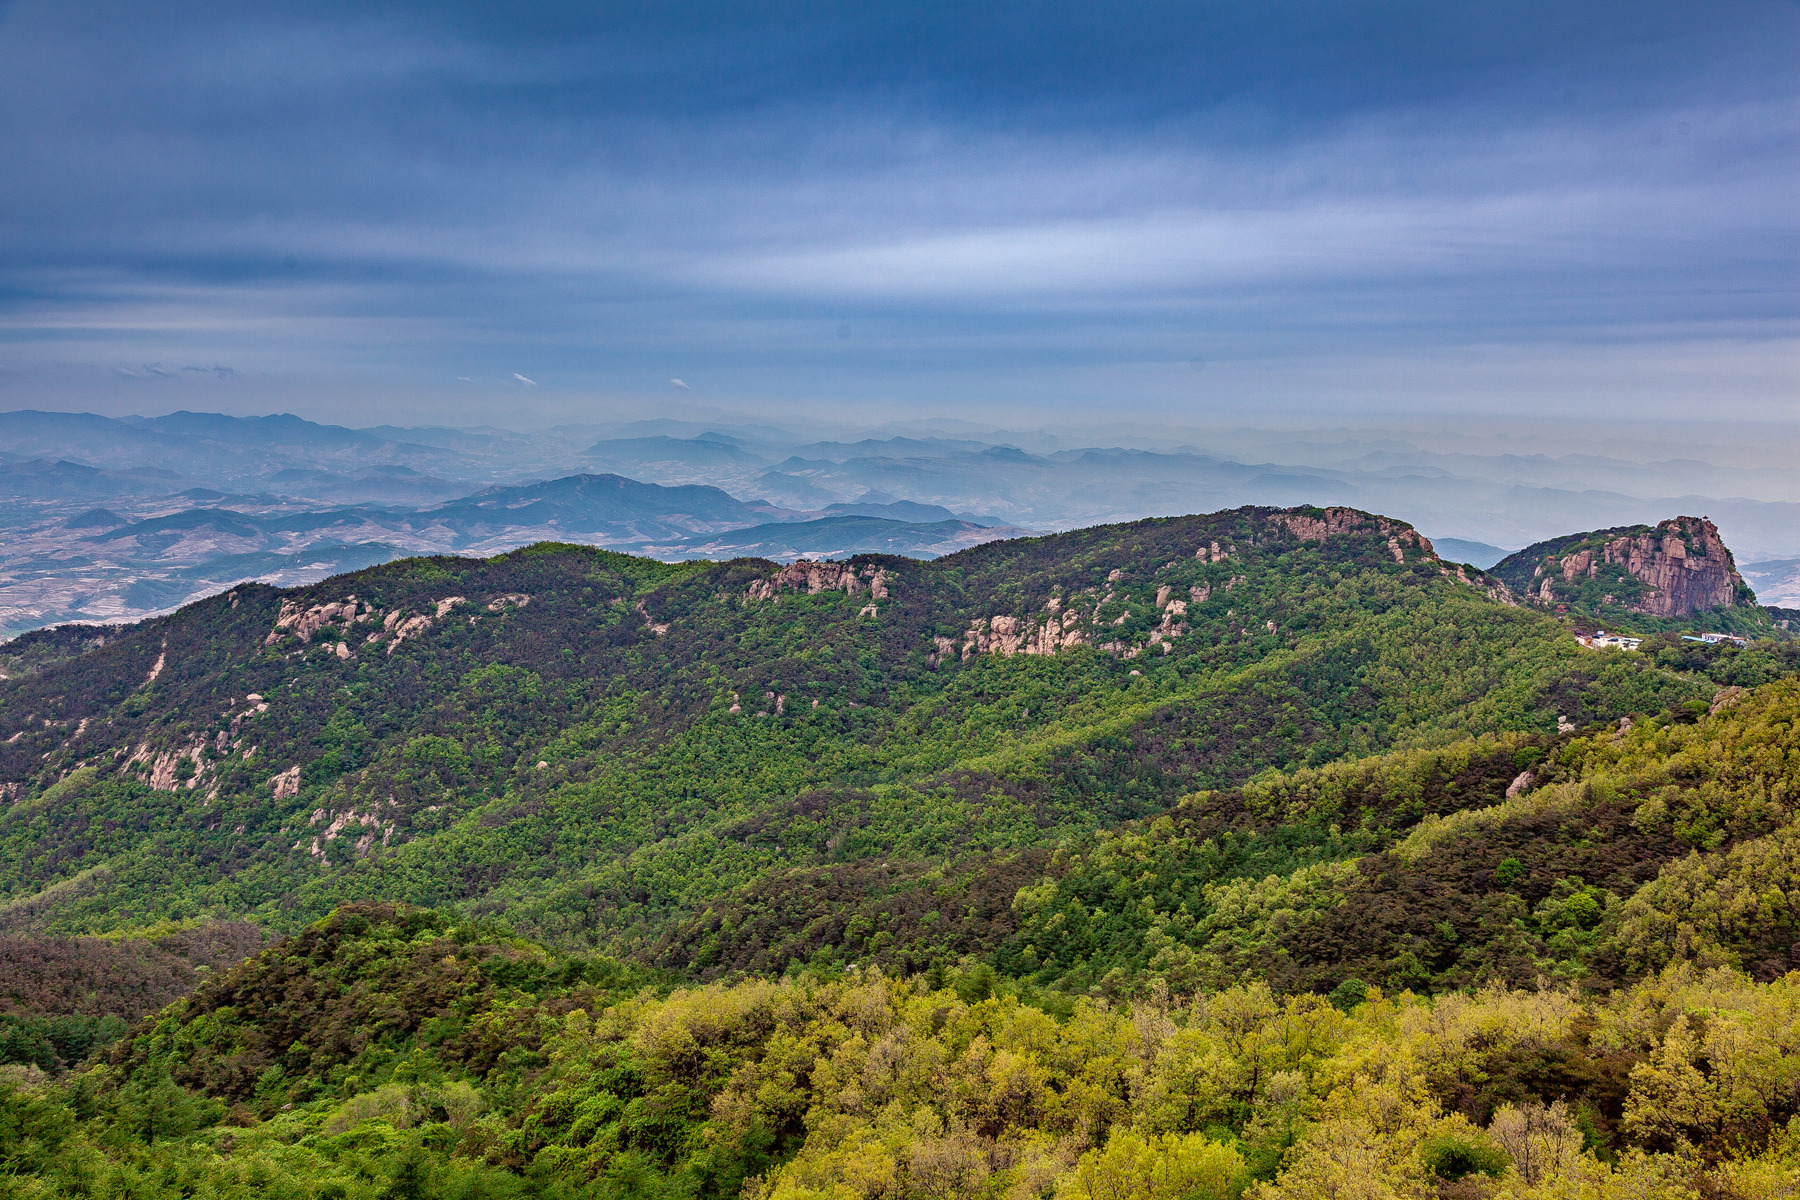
column 1254, row 854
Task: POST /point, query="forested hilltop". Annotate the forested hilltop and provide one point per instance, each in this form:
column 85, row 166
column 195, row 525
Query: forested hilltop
column 1262, row 852
column 602, row 747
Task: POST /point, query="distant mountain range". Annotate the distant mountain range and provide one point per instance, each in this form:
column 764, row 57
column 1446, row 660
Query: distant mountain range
column 102, row 564
column 111, row 518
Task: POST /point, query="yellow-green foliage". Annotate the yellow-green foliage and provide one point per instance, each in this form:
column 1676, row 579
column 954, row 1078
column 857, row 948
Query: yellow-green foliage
column 867, row 1087
column 903, row 1091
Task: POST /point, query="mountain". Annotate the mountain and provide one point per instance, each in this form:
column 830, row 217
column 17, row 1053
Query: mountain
column 1260, row 853
column 619, row 509
column 893, row 510
column 43, row 479
column 1476, row 554
column 310, row 487
column 208, row 448
column 705, row 451
column 1777, row 581
column 273, row 753
column 1674, row 571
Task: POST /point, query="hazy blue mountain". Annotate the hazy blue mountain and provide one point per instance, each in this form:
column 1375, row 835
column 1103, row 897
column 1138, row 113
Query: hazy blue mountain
column 1476, row 554
column 894, row 510
column 44, row 479
column 842, row 536
column 611, row 505
column 706, row 450
column 1777, row 581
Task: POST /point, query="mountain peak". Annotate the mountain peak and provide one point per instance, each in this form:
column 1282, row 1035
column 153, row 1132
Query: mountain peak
column 1676, row 568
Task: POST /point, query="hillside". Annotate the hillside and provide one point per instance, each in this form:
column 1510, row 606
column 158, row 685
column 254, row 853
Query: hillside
column 1642, row 578
column 601, row 747
column 1257, row 854
column 394, row 1052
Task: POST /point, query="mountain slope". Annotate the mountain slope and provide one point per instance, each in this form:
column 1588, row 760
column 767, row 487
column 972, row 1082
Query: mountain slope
column 601, row 746
column 391, row 1051
column 1589, row 858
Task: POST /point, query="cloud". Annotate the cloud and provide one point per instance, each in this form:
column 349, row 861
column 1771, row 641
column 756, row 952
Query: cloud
column 986, row 192
column 678, row 383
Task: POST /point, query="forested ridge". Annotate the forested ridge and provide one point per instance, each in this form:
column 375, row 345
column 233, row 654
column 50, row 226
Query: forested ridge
column 1262, row 851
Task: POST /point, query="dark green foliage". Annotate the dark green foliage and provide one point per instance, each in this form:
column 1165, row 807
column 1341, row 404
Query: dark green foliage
column 354, row 989
column 1459, row 1155
column 61, row 999
column 1348, row 994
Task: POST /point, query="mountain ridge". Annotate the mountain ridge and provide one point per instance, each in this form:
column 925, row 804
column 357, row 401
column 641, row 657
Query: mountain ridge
column 370, row 731
column 1047, row 867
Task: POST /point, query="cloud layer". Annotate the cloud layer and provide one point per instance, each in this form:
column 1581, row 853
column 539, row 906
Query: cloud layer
column 1413, row 208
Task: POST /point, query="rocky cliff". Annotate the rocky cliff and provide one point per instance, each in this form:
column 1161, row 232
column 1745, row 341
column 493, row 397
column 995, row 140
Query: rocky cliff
column 1673, row 569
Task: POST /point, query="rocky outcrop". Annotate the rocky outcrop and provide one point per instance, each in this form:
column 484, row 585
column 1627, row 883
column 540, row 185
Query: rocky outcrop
column 401, row 629
column 304, row 622
column 1008, row 635
column 1685, row 563
column 1673, row 569
column 815, row 577
column 1404, row 543
column 1315, row 525
column 1318, row 524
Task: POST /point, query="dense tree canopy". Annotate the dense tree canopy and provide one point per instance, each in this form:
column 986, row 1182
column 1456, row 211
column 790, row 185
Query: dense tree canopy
column 1255, row 854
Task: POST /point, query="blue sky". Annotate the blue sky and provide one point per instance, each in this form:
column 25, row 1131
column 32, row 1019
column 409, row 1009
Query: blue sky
column 1054, row 212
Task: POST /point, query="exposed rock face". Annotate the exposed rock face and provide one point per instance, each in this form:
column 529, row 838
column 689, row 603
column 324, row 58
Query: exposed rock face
column 1336, row 522
column 1008, row 635
column 1676, row 568
column 815, row 577
column 304, row 622
column 1686, row 565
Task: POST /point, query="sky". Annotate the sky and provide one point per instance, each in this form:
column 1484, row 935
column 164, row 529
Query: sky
column 1052, row 212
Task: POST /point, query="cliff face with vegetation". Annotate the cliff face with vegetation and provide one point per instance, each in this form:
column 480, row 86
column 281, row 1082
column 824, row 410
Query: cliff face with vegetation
column 1671, row 570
